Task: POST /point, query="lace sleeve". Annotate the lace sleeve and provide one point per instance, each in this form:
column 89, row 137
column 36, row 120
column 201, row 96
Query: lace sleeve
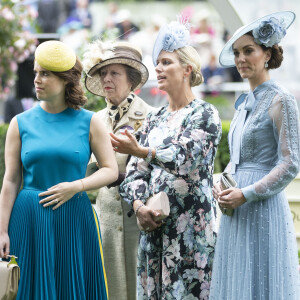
column 285, row 116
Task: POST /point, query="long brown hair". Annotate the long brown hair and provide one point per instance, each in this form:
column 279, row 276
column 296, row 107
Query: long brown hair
column 74, row 95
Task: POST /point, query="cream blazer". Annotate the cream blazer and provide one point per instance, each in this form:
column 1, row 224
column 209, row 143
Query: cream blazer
column 119, row 232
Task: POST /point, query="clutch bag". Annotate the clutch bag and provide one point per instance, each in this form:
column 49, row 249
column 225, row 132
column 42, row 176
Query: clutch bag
column 160, row 203
column 226, row 182
column 9, row 279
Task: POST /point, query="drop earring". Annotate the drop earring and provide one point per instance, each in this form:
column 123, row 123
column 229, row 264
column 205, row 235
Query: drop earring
column 184, row 79
column 266, row 64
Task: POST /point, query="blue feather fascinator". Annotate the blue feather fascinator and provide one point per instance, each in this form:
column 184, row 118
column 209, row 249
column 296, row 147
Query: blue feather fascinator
column 171, row 37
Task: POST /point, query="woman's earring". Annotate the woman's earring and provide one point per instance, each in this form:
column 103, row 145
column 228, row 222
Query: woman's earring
column 266, row 64
column 184, row 79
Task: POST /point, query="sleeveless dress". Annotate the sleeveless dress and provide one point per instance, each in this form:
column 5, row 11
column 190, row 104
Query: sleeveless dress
column 256, row 251
column 59, row 251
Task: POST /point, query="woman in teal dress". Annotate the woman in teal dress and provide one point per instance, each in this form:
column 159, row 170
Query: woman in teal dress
column 256, row 252
column 50, row 224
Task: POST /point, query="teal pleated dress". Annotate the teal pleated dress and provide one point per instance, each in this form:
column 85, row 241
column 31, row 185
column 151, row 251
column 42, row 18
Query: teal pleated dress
column 59, row 251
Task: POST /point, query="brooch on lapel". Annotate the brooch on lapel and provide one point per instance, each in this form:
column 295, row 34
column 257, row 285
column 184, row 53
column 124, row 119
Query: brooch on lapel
column 137, row 125
column 138, row 113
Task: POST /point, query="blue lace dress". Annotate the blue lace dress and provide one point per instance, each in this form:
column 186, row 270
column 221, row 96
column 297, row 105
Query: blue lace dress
column 175, row 260
column 59, row 251
column 256, row 251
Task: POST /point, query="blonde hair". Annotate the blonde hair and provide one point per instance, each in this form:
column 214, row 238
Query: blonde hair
column 189, row 56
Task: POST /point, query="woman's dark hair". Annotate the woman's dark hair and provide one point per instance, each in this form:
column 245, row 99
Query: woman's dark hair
column 134, row 76
column 74, row 95
column 276, row 54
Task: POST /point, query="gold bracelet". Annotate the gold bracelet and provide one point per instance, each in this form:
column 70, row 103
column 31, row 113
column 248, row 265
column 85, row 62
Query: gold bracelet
column 82, row 185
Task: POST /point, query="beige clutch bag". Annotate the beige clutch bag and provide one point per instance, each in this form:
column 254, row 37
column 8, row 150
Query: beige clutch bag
column 160, row 203
column 9, row 279
column 227, row 182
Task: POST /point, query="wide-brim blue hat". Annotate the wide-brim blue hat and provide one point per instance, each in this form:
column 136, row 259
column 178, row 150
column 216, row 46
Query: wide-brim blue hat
column 285, row 18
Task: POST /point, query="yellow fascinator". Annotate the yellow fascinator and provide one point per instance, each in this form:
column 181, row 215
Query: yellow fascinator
column 55, row 56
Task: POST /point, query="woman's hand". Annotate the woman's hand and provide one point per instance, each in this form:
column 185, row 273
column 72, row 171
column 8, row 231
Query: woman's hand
column 231, row 198
column 60, row 193
column 4, row 245
column 128, row 145
column 146, row 216
column 216, row 190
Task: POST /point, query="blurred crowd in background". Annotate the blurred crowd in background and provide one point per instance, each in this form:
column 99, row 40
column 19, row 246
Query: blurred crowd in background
column 78, row 22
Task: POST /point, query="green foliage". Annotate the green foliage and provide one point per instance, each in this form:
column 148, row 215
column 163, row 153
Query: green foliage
column 3, row 130
column 92, row 196
column 16, row 41
column 223, row 157
column 95, row 103
column 223, row 104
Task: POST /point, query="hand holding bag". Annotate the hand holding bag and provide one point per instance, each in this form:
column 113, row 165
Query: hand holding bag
column 160, row 203
column 226, row 182
column 9, row 279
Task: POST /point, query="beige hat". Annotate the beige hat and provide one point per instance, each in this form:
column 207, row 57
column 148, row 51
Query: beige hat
column 121, row 53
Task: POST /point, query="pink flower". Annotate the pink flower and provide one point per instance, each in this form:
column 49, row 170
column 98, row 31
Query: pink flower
column 201, row 260
column 144, row 281
column 181, row 187
column 165, row 275
column 8, row 14
column 182, row 222
column 198, row 134
column 13, row 66
column 205, row 286
column 201, row 275
column 150, row 286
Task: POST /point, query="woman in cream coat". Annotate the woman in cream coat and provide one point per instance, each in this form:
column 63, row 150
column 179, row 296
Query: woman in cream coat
column 115, row 71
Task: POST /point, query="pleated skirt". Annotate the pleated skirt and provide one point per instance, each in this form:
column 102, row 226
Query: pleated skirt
column 59, row 252
column 256, row 251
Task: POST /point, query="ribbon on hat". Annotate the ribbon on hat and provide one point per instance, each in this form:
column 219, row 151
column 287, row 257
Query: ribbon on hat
column 235, row 135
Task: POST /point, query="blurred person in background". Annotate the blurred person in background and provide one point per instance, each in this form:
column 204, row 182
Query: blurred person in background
column 256, row 252
column 204, row 36
column 213, row 75
column 175, row 155
column 51, row 14
column 115, row 71
column 124, row 24
column 82, row 14
column 25, row 95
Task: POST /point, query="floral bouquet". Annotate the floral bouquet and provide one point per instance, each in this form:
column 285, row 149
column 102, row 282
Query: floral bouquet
column 16, row 41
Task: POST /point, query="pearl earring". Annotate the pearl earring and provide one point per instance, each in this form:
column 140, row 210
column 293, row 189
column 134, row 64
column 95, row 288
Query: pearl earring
column 266, row 64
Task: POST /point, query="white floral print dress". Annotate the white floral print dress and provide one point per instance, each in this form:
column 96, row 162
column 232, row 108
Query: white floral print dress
column 175, row 261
